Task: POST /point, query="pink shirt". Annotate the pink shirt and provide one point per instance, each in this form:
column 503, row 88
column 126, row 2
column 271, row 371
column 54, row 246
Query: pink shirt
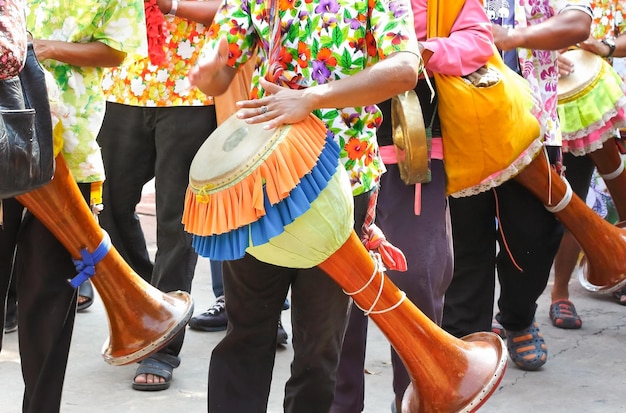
column 470, row 43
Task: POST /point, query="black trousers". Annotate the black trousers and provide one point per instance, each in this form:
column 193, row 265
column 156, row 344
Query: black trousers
column 240, row 370
column 47, row 309
column 531, row 239
column 138, row 144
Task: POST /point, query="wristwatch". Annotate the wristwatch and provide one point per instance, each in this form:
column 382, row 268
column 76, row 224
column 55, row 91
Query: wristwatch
column 611, row 44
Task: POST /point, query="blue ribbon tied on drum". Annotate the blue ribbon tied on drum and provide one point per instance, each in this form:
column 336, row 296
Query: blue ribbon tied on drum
column 86, row 266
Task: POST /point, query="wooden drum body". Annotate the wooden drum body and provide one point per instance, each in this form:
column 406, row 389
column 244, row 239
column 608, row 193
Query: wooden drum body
column 301, row 220
column 142, row 319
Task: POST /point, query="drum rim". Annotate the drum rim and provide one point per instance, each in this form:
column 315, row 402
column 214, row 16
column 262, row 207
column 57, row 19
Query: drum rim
column 238, row 172
column 587, row 85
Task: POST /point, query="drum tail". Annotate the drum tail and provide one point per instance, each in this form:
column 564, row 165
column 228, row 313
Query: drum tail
column 141, row 318
column 447, row 374
column 603, row 268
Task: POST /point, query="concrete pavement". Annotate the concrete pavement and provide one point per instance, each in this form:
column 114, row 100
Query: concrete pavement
column 585, row 372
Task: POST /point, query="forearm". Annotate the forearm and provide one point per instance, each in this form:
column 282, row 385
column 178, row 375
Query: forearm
column 194, row 10
column 620, row 46
column 93, row 54
column 558, row 32
column 398, row 73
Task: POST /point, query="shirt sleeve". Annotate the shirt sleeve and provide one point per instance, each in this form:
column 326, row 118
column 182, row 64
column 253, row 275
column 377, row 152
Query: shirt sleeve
column 123, row 27
column 234, row 24
column 581, row 5
column 392, row 27
column 469, row 46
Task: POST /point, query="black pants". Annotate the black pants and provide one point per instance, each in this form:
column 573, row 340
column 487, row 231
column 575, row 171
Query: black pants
column 138, row 144
column 241, row 365
column 531, row 239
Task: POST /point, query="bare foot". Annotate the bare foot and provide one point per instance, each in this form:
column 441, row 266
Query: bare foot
column 149, row 378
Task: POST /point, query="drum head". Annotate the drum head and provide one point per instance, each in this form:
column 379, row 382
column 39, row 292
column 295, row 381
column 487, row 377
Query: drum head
column 233, row 150
column 587, row 67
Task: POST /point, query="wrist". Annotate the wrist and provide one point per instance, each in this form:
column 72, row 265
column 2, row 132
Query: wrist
column 173, row 9
column 611, row 45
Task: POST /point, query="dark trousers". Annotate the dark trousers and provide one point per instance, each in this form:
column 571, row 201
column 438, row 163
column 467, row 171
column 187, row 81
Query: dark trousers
column 11, row 220
column 138, row 144
column 240, row 370
column 425, row 240
column 531, row 237
column 47, row 308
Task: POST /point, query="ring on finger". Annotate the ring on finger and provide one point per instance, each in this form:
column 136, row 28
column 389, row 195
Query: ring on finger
column 263, row 109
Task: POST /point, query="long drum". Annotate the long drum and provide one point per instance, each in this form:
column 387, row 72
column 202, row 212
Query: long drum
column 305, row 218
column 591, row 106
column 142, row 319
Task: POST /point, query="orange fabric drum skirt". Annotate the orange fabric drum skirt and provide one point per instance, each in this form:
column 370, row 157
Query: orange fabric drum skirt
column 247, row 183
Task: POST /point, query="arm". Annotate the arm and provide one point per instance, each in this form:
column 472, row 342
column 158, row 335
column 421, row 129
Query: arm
column 471, row 31
column 596, row 46
column 198, row 11
column 398, row 72
column 563, row 30
column 93, row 54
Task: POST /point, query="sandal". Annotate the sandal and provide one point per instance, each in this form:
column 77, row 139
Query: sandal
column 620, row 296
column 157, row 368
column 563, row 315
column 497, row 328
column 527, row 347
column 85, row 296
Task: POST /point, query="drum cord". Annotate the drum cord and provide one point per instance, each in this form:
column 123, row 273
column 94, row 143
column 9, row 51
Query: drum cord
column 378, row 269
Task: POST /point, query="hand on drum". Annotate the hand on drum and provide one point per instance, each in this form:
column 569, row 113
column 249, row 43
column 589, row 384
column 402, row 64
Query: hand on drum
column 565, row 65
column 593, row 45
column 279, row 106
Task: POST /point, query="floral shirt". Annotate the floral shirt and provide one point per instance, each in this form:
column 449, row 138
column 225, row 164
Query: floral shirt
column 116, row 23
column 12, row 37
column 539, row 66
column 140, row 83
column 321, row 41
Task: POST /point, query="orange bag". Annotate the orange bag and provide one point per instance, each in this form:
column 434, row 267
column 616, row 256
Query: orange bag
column 485, row 129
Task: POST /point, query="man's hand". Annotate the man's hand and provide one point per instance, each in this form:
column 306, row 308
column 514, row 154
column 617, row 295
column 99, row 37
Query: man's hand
column 280, row 105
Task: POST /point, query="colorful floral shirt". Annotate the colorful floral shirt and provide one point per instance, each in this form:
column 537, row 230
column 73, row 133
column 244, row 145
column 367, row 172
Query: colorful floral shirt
column 116, row 23
column 140, row 83
column 12, row 37
column 539, row 66
column 321, row 41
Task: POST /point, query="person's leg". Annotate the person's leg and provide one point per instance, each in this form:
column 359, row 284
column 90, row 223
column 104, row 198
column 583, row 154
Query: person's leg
column 578, row 171
column 11, row 219
column 47, row 312
column 128, row 152
column 426, row 241
column 350, row 387
column 175, row 259
column 214, row 318
column 468, row 304
column 216, row 278
column 530, row 239
column 240, row 370
column 319, row 314
column 320, row 311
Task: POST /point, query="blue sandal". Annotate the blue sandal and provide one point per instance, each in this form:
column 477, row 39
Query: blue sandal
column 563, row 315
column 527, row 347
